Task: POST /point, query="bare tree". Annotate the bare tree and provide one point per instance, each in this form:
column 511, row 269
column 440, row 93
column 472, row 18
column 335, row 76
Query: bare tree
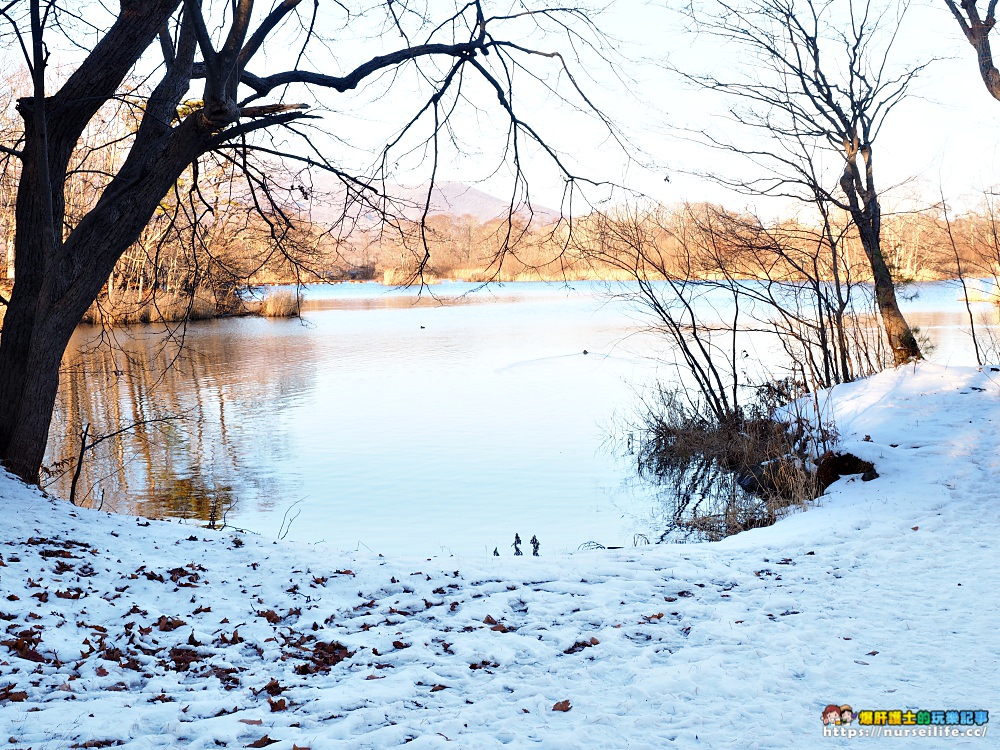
column 199, row 94
column 817, row 84
column 977, row 30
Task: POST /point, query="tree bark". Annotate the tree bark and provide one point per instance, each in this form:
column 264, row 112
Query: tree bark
column 977, row 31
column 867, row 215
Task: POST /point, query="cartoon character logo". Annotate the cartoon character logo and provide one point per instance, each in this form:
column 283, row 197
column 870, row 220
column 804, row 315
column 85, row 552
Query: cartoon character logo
column 831, row 715
column 846, row 715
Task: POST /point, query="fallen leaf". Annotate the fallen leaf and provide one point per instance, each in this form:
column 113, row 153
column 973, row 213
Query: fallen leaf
column 262, row 742
column 14, row 696
column 914, row 528
column 24, row 649
column 581, row 645
column 252, row 722
column 279, row 705
column 436, row 688
column 166, row 624
column 273, row 687
column 272, row 617
column 562, row 706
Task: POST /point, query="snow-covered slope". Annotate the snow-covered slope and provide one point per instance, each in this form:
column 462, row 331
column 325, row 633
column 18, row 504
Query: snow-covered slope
column 120, row 631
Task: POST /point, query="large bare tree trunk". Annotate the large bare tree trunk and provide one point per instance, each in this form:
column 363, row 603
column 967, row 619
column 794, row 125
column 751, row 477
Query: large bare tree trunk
column 859, row 186
column 901, row 340
column 49, row 299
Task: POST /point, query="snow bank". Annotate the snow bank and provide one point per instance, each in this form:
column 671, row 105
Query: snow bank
column 118, row 631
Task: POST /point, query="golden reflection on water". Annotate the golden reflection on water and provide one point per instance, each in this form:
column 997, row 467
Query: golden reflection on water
column 173, row 398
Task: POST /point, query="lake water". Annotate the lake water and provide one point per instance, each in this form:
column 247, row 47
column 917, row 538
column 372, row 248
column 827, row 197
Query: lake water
column 390, row 421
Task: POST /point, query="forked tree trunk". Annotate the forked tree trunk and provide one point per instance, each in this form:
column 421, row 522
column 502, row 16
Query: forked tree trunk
column 866, row 212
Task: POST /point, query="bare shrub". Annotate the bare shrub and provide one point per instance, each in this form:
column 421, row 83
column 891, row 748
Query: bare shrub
column 723, row 476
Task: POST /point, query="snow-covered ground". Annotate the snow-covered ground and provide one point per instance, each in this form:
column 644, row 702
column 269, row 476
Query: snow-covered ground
column 118, row 631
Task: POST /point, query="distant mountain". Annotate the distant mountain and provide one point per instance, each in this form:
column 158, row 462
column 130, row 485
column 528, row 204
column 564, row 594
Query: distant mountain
column 459, row 199
column 447, row 198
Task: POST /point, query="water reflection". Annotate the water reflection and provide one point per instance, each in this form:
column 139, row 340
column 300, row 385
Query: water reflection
column 173, row 395
column 401, row 426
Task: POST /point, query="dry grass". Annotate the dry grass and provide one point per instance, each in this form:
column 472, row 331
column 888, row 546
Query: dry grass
column 724, row 478
column 161, row 307
column 281, row 303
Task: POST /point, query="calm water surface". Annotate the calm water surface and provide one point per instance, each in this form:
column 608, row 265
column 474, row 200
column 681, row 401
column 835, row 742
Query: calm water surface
column 382, row 420
column 388, row 421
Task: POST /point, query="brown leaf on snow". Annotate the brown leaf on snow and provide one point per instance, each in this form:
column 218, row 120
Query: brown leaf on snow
column 101, row 672
column 272, row 617
column 324, row 656
column 252, row 722
column 297, row 747
column 279, row 705
column 24, row 649
column 489, row 620
column 400, row 645
column 166, row 624
column 183, row 657
column 262, row 742
column 274, row 687
column 436, row 688
column 581, row 645
column 231, row 640
column 562, row 706
column 14, row 696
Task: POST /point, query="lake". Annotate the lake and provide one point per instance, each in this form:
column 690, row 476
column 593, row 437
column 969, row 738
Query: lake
column 437, row 423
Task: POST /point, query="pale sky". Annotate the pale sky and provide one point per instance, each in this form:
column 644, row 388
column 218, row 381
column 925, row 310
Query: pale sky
column 946, row 132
